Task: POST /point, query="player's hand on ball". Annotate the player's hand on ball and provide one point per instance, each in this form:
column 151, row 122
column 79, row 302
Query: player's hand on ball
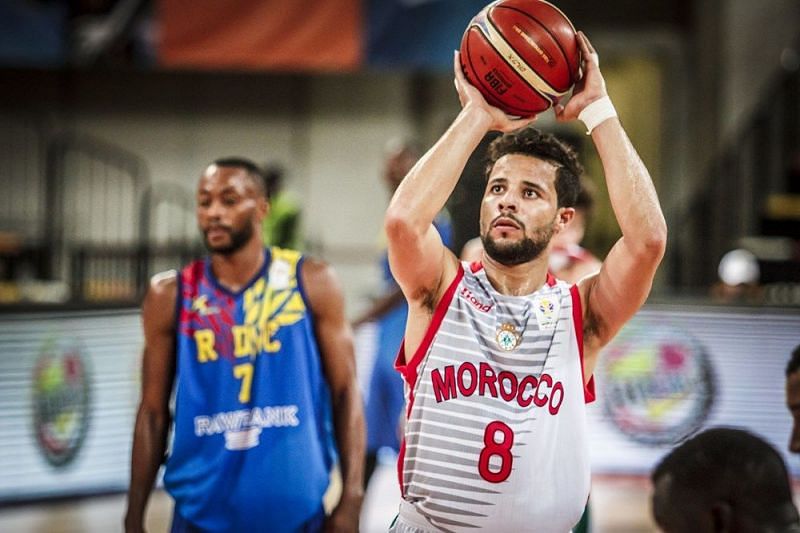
column 470, row 96
column 589, row 88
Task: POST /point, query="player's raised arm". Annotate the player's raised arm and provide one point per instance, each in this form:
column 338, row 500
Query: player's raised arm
column 624, row 281
column 420, row 262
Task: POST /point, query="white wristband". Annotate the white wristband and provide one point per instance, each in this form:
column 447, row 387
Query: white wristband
column 596, row 113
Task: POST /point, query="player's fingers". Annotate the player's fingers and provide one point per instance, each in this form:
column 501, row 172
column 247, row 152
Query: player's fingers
column 518, row 123
column 457, row 66
column 590, row 55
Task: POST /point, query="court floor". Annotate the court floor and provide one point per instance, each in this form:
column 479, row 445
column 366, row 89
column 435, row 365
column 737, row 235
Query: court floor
column 619, row 505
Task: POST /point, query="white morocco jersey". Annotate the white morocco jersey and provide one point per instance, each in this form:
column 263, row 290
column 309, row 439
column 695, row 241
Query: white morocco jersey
column 496, row 427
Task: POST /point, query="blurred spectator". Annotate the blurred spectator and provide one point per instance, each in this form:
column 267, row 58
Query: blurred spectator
column 723, row 479
column 282, row 224
column 111, row 32
column 568, row 259
column 384, row 395
column 793, row 398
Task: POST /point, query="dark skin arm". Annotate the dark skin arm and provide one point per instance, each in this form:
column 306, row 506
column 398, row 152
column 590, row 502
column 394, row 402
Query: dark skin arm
column 153, row 417
column 335, row 340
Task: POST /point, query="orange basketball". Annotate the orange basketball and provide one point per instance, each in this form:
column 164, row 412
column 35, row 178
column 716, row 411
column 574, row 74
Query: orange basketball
column 522, row 55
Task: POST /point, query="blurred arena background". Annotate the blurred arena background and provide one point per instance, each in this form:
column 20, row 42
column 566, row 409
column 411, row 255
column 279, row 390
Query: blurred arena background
column 110, row 109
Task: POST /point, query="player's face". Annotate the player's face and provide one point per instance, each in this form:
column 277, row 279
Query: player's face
column 519, row 212
column 793, row 402
column 229, row 209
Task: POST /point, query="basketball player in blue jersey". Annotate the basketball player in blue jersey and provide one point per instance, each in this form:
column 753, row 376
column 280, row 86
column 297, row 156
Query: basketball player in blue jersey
column 498, row 355
column 255, row 345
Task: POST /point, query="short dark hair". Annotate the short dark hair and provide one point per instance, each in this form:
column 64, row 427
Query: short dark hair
column 727, row 464
column 794, row 361
column 535, row 143
column 255, row 172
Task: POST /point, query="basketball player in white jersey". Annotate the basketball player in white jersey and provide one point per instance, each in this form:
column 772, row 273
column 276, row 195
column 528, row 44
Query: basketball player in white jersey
column 498, row 355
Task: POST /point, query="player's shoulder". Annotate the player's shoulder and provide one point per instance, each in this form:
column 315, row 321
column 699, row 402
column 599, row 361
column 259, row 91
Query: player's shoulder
column 163, row 286
column 164, row 280
column 315, row 271
column 321, row 285
column 158, row 307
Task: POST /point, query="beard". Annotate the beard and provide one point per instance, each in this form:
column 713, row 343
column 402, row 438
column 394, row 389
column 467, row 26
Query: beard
column 522, row 251
column 238, row 238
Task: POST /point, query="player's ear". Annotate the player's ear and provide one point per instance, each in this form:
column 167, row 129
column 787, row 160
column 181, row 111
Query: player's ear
column 263, row 207
column 565, row 215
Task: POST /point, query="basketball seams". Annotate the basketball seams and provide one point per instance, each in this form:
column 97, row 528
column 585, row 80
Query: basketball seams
column 526, row 55
column 540, row 91
column 546, row 30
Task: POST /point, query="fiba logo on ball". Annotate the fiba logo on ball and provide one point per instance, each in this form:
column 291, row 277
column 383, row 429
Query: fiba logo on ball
column 60, row 401
column 658, row 381
column 522, row 55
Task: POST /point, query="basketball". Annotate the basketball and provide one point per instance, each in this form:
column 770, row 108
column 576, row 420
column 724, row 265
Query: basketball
column 522, row 55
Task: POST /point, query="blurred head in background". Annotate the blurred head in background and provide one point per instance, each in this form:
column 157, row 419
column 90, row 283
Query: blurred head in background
column 723, row 480
column 793, row 398
column 231, row 205
column 576, row 229
column 399, row 156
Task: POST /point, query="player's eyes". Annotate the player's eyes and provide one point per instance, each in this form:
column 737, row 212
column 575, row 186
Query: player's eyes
column 497, row 188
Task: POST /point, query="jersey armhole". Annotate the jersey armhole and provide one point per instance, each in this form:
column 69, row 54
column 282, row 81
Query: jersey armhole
column 577, row 322
column 408, row 369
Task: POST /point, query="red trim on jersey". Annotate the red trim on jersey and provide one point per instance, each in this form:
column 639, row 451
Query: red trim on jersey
column 475, row 266
column 408, row 369
column 577, row 319
column 551, row 281
column 400, row 458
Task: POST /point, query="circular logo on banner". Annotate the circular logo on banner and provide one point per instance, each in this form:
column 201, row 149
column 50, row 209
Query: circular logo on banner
column 60, row 402
column 658, row 383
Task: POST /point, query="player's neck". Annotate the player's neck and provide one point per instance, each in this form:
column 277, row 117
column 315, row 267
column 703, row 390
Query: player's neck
column 516, row 280
column 235, row 270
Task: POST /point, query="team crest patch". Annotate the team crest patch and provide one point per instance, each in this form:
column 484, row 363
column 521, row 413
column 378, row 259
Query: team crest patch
column 507, row 337
column 546, row 309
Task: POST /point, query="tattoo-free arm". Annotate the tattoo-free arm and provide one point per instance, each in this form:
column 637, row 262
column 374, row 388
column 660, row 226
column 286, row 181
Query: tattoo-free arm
column 153, row 417
column 335, row 339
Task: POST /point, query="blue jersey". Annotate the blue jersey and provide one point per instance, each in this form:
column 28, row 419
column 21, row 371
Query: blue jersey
column 252, row 447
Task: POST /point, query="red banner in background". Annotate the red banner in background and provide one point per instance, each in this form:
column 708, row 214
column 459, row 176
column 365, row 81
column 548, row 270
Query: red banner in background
column 293, row 35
